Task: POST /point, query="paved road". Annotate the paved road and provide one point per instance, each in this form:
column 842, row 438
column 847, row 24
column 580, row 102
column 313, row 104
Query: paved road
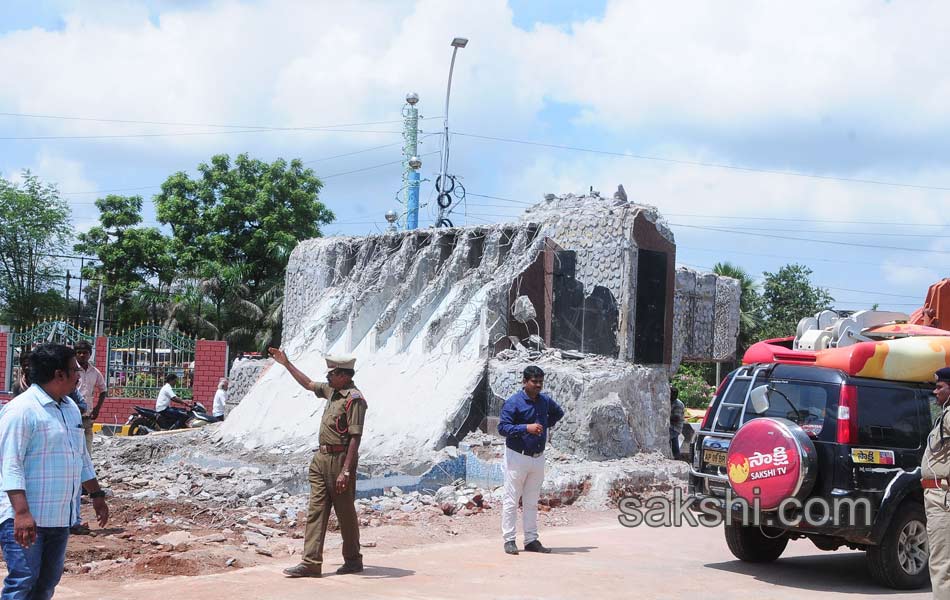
column 596, row 560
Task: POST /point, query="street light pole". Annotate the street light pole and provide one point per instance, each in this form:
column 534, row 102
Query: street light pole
column 456, row 44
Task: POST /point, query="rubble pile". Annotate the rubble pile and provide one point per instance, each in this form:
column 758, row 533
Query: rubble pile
column 243, row 375
column 613, row 409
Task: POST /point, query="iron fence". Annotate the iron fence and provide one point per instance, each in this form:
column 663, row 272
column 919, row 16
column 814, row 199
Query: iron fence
column 137, row 361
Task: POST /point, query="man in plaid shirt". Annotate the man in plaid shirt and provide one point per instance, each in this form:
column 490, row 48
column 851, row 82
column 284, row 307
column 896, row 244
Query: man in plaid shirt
column 43, row 461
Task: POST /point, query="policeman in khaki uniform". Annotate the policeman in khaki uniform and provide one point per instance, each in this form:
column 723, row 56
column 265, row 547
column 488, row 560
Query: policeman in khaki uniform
column 333, row 469
column 935, row 479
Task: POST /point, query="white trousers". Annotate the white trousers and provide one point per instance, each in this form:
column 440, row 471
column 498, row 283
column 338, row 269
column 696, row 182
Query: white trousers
column 523, row 478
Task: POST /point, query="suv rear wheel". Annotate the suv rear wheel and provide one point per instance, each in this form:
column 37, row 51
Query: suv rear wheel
column 750, row 543
column 900, row 561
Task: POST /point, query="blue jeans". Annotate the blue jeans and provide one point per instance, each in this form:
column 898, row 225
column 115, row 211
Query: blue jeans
column 32, row 573
column 77, row 517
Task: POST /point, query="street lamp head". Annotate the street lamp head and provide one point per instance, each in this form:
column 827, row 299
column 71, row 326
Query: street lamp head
column 412, row 98
column 460, row 42
column 415, row 162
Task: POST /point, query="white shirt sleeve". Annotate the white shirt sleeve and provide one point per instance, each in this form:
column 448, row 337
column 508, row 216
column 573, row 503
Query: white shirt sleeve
column 165, row 396
column 217, row 407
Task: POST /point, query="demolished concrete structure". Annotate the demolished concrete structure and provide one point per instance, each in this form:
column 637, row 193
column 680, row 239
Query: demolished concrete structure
column 426, row 311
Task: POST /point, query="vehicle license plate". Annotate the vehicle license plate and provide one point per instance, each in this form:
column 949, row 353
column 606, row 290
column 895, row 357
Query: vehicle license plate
column 874, row 457
column 715, row 458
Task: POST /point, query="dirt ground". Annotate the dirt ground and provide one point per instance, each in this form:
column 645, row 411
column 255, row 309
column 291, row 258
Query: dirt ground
column 151, row 540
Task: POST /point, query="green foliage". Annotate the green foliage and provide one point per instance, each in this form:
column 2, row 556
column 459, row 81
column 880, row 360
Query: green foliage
column 135, row 263
column 693, row 389
column 35, row 224
column 220, row 273
column 789, row 295
column 250, row 213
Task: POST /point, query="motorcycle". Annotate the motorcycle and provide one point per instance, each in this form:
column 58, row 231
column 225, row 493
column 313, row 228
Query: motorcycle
column 147, row 420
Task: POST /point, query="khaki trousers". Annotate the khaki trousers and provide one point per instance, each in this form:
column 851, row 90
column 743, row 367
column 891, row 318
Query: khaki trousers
column 324, row 469
column 938, row 532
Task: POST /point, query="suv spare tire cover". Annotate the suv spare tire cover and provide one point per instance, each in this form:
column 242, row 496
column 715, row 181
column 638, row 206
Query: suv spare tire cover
column 771, row 459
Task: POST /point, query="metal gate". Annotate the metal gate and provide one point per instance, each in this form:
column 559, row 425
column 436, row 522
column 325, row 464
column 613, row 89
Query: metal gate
column 136, row 363
column 139, row 360
column 50, row 332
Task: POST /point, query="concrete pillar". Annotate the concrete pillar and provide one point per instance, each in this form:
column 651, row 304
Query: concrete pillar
column 211, row 363
column 101, row 360
column 4, row 361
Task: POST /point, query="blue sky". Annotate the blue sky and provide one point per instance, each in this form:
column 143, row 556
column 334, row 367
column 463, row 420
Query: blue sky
column 667, row 91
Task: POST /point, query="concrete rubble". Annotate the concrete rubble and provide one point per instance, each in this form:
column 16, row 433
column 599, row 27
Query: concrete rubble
column 442, row 322
column 425, row 312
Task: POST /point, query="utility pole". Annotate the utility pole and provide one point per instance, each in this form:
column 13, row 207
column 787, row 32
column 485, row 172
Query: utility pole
column 441, row 184
column 82, row 263
column 410, row 151
column 98, row 311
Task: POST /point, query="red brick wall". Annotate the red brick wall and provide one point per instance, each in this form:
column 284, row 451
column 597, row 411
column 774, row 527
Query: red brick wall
column 102, row 354
column 117, row 410
column 4, row 384
column 114, row 410
column 211, row 363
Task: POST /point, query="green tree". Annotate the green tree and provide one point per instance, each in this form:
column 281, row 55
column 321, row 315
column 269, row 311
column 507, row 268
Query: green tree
column 750, row 304
column 248, row 213
column 215, row 302
column 690, row 381
column 788, row 295
column 35, row 225
column 135, row 262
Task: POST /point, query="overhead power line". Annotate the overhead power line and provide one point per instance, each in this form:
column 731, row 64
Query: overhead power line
column 150, row 187
column 876, row 293
column 799, row 220
column 189, row 133
column 720, row 250
column 696, row 163
column 467, row 193
column 751, row 217
column 829, row 232
column 385, row 164
column 801, row 239
column 181, row 123
column 175, row 123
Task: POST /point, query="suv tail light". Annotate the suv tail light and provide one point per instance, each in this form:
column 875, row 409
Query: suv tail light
column 722, row 385
column 848, row 415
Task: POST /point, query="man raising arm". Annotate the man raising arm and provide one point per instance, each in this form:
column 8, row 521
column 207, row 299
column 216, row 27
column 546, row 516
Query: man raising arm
column 333, row 468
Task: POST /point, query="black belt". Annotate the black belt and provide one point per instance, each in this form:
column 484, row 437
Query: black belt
column 526, row 453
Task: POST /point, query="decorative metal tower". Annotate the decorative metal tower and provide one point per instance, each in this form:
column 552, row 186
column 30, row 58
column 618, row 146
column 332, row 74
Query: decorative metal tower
column 410, row 151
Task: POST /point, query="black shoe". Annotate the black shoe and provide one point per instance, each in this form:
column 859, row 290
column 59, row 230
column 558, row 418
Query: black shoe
column 303, row 570
column 511, row 548
column 347, row 568
column 536, row 546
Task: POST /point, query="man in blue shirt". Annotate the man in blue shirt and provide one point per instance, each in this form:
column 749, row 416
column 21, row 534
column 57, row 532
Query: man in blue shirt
column 525, row 420
column 43, row 461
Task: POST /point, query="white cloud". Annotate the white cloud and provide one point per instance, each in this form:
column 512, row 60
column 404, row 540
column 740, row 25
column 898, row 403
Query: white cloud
column 740, row 67
column 901, row 275
column 68, row 175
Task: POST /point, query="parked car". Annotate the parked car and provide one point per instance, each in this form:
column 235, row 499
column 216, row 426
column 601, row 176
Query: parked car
column 805, row 440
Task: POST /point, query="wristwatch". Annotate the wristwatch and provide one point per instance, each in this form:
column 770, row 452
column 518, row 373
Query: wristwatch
column 97, row 494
